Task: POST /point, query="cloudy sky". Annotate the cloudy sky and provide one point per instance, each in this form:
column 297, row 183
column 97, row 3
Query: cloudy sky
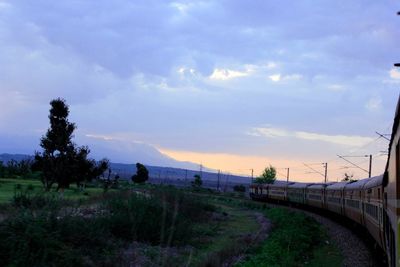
column 235, row 85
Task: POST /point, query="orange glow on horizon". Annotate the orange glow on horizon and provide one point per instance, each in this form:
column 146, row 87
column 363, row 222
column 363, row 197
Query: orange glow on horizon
column 242, row 165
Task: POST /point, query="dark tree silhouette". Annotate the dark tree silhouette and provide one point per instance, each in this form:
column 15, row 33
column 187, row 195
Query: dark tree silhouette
column 61, row 161
column 142, row 174
column 197, row 182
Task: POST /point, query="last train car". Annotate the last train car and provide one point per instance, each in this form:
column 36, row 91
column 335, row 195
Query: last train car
column 391, row 195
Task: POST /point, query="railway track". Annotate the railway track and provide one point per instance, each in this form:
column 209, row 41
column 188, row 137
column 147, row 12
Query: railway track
column 356, row 247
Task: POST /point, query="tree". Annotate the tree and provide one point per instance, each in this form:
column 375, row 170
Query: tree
column 61, row 161
column 348, row 177
column 2, row 170
column 268, row 176
column 239, row 188
column 142, row 174
column 197, row 182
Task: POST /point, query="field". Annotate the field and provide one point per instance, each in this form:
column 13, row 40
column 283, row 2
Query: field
column 150, row 225
column 9, row 187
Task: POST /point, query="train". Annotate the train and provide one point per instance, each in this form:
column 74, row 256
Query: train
column 372, row 203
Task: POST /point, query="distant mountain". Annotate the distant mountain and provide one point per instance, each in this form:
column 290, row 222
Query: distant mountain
column 169, row 173
column 125, row 171
column 18, row 157
column 130, row 152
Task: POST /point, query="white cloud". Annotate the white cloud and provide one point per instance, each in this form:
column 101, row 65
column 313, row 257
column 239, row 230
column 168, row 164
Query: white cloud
column 394, row 74
column 290, row 77
column 374, row 103
column 336, row 87
column 275, row 77
column 227, row 74
column 347, row 140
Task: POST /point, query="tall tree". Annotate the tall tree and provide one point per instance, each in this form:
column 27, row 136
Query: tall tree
column 61, row 161
column 268, row 176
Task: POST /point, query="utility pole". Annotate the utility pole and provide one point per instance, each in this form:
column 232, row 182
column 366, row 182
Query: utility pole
column 201, row 170
column 355, row 165
column 252, row 175
column 326, row 171
column 219, row 173
column 287, row 176
column 370, row 166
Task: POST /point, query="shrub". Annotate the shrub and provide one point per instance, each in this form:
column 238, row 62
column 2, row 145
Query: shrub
column 239, row 188
column 45, row 240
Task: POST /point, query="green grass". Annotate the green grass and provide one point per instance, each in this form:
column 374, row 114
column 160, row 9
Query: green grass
column 224, row 237
column 295, row 240
column 8, row 187
column 326, row 255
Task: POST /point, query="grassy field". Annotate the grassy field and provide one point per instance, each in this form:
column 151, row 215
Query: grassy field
column 160, row 226
column 9, row 186
column 295, row 239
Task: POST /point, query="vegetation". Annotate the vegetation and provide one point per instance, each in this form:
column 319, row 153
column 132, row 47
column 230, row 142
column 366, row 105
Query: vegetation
column 348, row 177
column 40, row 233
column 239, row 188
column 197, row 182
column 142, row 174
column 61, row 161
column 268, row 176
column 14, row 169
column 161, row 225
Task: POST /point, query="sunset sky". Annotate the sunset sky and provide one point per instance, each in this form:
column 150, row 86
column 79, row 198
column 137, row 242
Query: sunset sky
column 233, row 85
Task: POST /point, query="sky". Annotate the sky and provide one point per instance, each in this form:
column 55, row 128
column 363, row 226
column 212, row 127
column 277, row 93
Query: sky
column 233, row 85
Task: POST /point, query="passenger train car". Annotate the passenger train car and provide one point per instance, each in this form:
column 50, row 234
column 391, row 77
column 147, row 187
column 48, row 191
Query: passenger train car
column 373, row 203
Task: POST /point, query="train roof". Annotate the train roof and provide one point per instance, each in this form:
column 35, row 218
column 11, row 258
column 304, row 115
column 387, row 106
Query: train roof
column 337, row 186
column 374, row 181
column 299, row 185
column 281, row 183
column 357, row 184
column 319, row 186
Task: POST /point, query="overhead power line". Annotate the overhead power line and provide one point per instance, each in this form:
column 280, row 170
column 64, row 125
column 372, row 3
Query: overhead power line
column 357, row 166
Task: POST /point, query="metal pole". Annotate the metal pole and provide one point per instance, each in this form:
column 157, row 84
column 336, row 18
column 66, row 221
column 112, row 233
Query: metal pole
column 287, row 176
column 219, row 173
column 326, row 172
column 370, row 166
column 252, row 176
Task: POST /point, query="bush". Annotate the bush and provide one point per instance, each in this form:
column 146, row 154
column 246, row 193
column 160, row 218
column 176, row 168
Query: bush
column 47, row 231
column 142, row 174
column 163, row 217
column 239, row 188
column 45, row 240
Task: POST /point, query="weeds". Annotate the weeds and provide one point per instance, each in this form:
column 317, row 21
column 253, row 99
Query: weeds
column 291, row 242
column 42, row 232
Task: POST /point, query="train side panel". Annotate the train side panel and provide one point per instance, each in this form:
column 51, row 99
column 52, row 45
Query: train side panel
column 315, row 195
column 278, row 191
column 373, row 209
column 392, row 195
column 296, row 193
column 353, row 200
column 334, row 197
